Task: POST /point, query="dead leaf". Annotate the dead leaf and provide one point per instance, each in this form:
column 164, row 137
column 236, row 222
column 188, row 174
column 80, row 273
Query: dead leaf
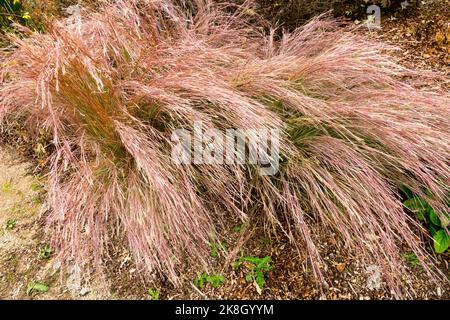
column 341, row 267
column 439, row 38
column 258, row 289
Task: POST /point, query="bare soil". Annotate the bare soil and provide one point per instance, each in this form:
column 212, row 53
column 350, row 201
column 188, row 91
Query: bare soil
column 22, row 200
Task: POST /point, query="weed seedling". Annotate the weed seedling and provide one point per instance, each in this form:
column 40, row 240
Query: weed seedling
column 256, row 267
column 36, row 187
column 7, row 186
column 214, row 280
column 153, row 293
column 412, row 259
column 36, row 287
column 437, row 223
column 11, row 224
column 45, row 252
column 216, row 247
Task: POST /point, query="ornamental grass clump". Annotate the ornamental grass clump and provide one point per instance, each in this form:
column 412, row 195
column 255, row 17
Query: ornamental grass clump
column 112, row 90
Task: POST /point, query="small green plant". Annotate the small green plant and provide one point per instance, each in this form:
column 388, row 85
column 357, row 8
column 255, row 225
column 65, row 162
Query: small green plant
column 37, row 287
column 45, row 252
column 256, row 267
column 214, row 280
column 11, row 224
column 7, row 186
column 239, row 228
column 412, row 259
column 36, row 187
column 153, row 294
column 436, row 223
column 216, row 247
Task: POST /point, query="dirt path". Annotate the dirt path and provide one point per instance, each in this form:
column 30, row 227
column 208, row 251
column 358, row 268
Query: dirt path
column 25, row 256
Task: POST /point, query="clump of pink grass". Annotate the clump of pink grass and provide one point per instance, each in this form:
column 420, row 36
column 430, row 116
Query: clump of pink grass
column 113, row 90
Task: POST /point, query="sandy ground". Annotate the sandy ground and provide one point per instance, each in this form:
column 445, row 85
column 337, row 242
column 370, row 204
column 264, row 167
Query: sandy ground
column 23, row 260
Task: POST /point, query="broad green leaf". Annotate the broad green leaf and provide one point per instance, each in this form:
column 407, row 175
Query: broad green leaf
column 434, row 218
column 441, row 241
column 432, row 230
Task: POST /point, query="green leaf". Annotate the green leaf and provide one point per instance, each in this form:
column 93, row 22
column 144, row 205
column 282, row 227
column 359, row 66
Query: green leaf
column 153, row 293
column 45, row 252
column 412, row 259
column 441, row 241
column 11, row 224
column 260, row 280
column 238, row 228
column 36, row 187
column 407, row 191
column 420, row 215
column 434, row 218
column 216, row 280
column 214, row 250
column 264, row 264
column 432, row 230
column 416, row 204
column 256, row 269
column 199, row 282
column 253, row 260
column 37, row 287
column 419, row 207
column 7, row 186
